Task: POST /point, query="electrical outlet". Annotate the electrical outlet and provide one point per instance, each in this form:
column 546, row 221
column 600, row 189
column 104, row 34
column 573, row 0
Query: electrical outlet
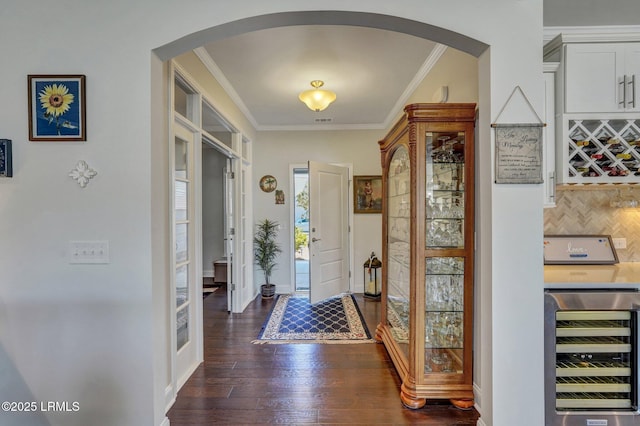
column 620, row 243
column 88, row 251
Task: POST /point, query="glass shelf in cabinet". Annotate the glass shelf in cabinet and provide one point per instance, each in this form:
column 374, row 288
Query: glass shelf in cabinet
column 445, row 233
column 451, row 265
column 461, row 162
column 444, row 332
column 440, row 361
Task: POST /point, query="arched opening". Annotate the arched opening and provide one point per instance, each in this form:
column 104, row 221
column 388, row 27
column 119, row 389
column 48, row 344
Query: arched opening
column 385, row 22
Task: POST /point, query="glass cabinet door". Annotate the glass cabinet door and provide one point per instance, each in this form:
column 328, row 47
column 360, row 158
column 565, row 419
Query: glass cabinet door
column 444, row 325
column 445, row 264
column 445, row 190
column 398, row 239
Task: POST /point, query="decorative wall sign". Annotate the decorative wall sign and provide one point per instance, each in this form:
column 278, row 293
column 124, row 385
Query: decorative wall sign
column 579, row 249
column 518, row 153
column 518, row 148
column 82, row 173
column 57, row 108
column 6, row 161
column 268, row 183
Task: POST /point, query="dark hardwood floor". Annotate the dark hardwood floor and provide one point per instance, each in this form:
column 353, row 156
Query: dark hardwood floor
column 241, row 383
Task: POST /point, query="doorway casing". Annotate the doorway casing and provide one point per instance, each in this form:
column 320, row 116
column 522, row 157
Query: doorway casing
column 293, row 167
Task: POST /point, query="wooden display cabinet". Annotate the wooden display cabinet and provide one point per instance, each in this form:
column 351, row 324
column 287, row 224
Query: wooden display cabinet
column 428, row 248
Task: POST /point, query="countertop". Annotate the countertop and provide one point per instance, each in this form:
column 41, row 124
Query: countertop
column 620, row 275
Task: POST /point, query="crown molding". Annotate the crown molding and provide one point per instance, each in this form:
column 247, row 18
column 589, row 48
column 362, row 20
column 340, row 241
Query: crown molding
column 556, row 37
column 593, row 34
column 325, row 127
column 424, row 70
column 217, row 73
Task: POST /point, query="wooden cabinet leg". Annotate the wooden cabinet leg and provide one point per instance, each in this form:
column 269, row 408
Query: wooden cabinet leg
column 463, row 403
column 412, row 402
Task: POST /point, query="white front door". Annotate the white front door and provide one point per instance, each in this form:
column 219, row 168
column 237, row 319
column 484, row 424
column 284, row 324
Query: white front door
column 328, row 230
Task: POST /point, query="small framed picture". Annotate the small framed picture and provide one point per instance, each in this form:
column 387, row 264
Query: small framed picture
column 6, row 162
column 367, row 194
column 57, row 108
column 279, row 196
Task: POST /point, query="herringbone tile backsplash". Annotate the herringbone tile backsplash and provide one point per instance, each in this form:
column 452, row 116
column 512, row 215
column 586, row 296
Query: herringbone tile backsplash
column 584, row 211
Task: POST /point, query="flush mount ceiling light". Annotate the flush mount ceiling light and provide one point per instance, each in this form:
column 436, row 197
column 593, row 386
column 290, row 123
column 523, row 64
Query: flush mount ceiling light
column 317, row 99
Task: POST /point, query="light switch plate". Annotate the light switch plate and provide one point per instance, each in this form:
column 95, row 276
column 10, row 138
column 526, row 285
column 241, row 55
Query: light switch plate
column 619, row 243
column 88, row 252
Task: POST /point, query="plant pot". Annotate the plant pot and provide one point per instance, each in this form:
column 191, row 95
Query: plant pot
column 268, row 290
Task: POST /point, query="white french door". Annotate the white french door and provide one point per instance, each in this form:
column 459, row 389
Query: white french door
column 328, row 230
column 184, row 254
column 229, row 229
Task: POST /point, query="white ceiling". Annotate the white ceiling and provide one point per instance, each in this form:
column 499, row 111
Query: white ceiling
column 372, row 71
column 369, row 69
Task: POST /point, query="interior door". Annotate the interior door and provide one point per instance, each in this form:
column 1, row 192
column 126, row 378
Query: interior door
column 328, row 230
column 229, row 231
column 185, row 274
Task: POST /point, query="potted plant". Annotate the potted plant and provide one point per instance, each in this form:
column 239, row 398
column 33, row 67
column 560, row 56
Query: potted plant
column 266, row 250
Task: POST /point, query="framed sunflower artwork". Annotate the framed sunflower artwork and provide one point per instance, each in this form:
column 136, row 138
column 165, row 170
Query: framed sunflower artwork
column 57, row 108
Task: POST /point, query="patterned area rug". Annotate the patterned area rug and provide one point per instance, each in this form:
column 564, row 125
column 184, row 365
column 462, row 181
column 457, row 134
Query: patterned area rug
column 294, row 320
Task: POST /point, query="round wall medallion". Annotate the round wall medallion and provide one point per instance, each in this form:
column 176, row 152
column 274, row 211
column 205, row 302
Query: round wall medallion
column 268, row 183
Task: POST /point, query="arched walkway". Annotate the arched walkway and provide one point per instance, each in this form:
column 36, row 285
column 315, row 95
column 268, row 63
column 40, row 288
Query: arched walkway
column 372, row 20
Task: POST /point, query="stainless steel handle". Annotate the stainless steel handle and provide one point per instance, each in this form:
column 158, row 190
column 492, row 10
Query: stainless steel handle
column 632, row 87
column 314, row 239
column 552, row 183
column 622, row 92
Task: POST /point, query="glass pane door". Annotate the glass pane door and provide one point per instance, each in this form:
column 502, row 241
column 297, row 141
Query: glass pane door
column 445, row 266
column 444, row 335
column 184, row 249
column 398, row 247
column 445, row 190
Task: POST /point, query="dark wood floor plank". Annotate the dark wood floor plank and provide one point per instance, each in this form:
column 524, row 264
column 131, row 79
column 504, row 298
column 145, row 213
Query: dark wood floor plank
column 241, row 383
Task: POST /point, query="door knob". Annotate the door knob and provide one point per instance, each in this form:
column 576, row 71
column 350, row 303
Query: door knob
column 314, row 239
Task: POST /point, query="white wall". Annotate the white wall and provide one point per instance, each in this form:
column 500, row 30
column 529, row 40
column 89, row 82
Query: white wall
column 456, row 70
column 275, row 151
column 78, row 332
column 95, row 333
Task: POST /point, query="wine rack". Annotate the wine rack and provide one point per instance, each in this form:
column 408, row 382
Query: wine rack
column 602, row 151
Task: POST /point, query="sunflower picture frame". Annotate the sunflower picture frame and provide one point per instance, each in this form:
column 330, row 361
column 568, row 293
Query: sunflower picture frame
column 57, row 108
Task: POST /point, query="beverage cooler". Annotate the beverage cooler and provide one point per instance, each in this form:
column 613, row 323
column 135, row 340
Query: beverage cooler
column 591, row 357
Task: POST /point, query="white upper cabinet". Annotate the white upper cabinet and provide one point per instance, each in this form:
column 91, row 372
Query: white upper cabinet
column 597, row 125
column 601, row 77
column 632, row 63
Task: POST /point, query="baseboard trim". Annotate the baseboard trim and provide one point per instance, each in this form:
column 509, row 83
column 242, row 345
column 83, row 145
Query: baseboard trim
column 481, row 422
column 477, row 394
column 169, row 398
